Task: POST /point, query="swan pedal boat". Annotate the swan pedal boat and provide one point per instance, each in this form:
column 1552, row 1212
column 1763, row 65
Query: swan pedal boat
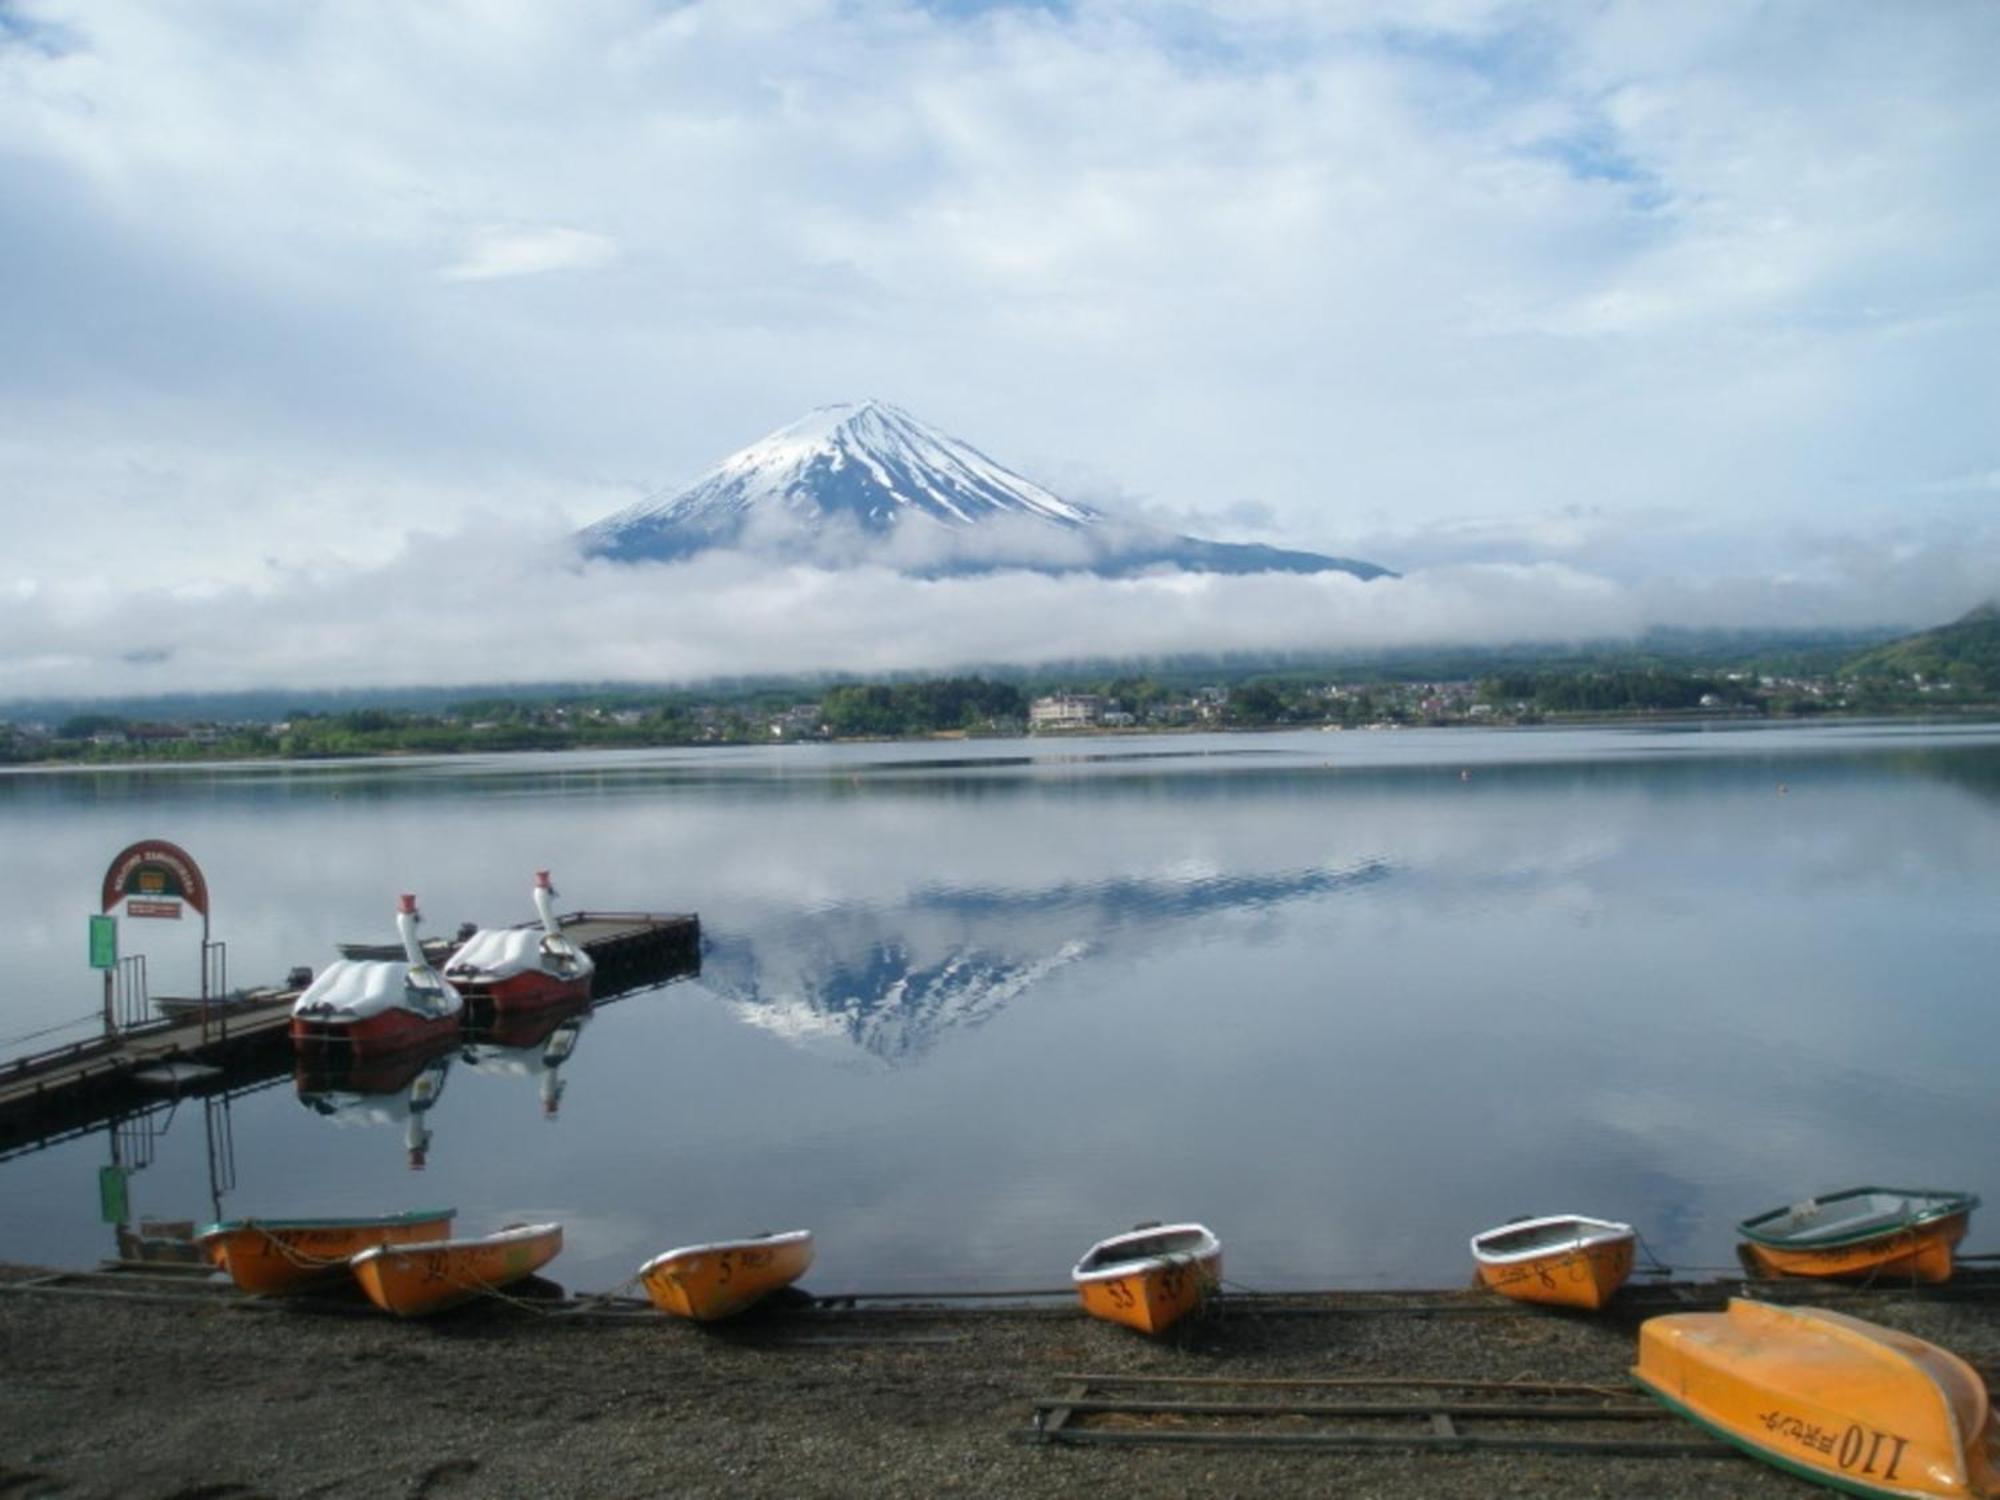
column 428, row 1276
column 1565, row 1260
column 1830, row 1398
column 371, row 1007
column 1151, row 1277
column 1864, row 1231
column 519, row 968
column 268, row 1257
column 706, row 1282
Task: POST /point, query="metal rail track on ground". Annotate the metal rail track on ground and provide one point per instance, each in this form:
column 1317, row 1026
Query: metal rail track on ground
column 1398, row 1415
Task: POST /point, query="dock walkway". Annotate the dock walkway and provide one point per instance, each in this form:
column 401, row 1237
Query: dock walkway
column 632, row 950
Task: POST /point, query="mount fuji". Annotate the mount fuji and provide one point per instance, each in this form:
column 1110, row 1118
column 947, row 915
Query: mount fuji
column 868, row 482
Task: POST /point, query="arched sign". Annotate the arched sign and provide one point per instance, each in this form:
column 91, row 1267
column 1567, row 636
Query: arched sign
column 153, row 878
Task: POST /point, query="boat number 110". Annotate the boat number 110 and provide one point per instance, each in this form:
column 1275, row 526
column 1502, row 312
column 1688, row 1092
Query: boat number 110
column 1857, row 1450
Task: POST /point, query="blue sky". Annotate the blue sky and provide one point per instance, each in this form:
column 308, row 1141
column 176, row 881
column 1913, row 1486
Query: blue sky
column 1582, row 316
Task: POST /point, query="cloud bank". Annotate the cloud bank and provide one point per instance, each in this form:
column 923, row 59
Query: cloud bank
column 498, row 606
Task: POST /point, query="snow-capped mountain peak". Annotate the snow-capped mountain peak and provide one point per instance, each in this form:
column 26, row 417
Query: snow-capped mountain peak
column 868, row 463
column 866, row 481
column 908, row 463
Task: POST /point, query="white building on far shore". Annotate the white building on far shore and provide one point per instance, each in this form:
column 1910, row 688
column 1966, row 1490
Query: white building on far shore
column 1066, row 711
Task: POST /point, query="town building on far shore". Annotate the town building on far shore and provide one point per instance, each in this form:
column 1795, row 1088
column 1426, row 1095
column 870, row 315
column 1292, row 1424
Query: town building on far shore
column 1066, row 711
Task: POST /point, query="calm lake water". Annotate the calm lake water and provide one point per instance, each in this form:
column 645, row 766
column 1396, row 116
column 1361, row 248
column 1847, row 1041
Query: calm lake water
column 965, row 1008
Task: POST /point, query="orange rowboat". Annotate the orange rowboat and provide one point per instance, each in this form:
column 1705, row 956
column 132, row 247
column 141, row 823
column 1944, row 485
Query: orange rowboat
column 270, row 1256
column 1564, row 1259
column 1868, row 1231
column 412, row 1280
column 706, row 1282
column 1830, row 1398
column 1150, row 1278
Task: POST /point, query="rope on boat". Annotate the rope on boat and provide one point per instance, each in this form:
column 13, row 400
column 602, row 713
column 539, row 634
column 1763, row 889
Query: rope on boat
column 93, row 1018
column 582, row 1301
column 473, row 1282
column 1877, row 1275
column 308, row 1262
column 469, row 1282
column 295, row 1255
column 482, row 1287
column 1657, row 1267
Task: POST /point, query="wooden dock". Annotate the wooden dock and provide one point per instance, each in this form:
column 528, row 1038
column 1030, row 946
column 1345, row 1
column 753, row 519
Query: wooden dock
column 249, row 1037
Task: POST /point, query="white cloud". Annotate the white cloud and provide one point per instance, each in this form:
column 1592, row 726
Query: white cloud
column 503, row 604
column 1984, row 482
column 1656, row 293
column 497, row 250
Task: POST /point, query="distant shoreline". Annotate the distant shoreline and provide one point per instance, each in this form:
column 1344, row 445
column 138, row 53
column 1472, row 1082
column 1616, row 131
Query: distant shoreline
column 1979, row 713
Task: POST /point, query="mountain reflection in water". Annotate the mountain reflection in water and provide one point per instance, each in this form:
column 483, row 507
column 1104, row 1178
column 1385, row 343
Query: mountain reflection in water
column 893, row 981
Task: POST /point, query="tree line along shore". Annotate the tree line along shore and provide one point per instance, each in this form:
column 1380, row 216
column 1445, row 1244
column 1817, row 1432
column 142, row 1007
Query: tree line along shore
column 969, row 707
column 1953, row 670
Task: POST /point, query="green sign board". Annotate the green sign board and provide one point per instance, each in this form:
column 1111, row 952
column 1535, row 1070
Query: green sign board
column 104, row 942
column 114, row 1205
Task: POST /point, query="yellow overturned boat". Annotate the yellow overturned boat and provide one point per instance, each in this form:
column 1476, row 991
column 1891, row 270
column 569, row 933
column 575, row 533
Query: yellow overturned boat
column 1151, row 1277
column 1565, row 1260
column 1865, row 1231
column 429, row 1276
column 268, row 1257
column 706, row 1282
column 1828, row 1397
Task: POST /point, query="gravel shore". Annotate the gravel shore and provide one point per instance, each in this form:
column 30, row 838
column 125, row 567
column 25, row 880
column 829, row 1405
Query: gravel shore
column 196, row 1396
